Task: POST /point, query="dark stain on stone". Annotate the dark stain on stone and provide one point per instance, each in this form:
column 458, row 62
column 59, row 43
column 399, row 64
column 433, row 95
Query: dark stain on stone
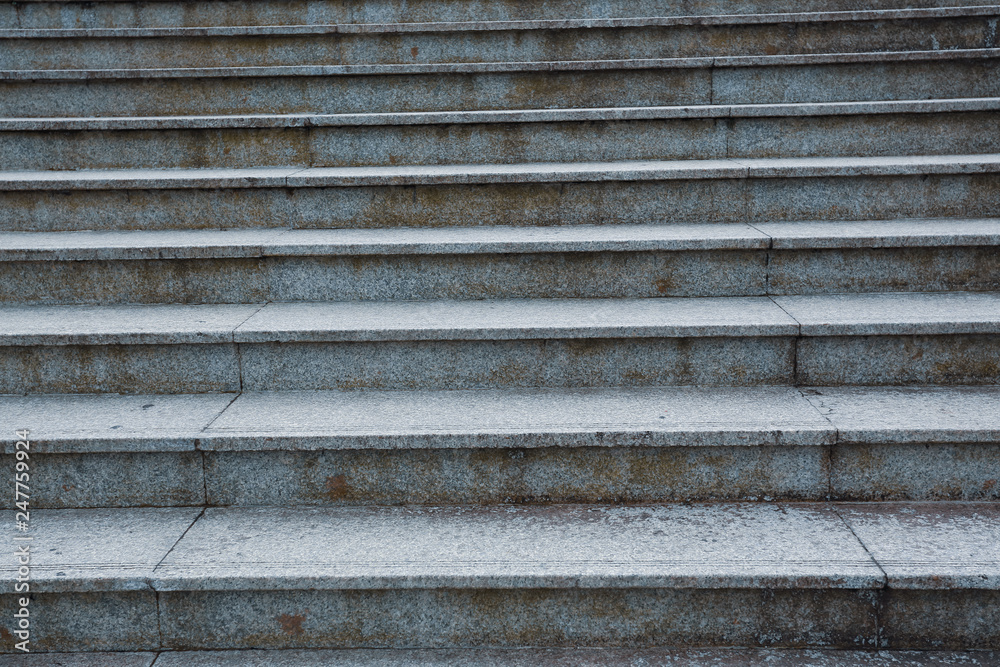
column 291, row 624
column 336, row 487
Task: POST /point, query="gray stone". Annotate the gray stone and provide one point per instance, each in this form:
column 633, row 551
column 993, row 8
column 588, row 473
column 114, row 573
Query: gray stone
column 115, row 479
column 496, row 364
column 122, row 325
column 898, row 360
column 732, row 546
column 894, row 314
column 539, row 475
column 931, row 546
column 96, row 550
column 110, row 423
column 915, row 472
column 514, row 319
column 678, row 416
column 913, row 233
column 79, row 660
column 910, row 414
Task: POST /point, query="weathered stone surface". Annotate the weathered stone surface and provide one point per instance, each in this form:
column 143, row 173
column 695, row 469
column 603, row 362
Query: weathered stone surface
column 96, row 550
column 730, row 546
column 110, row 423
column 899, row 360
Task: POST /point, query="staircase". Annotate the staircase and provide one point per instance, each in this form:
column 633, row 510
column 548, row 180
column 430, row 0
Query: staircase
column 613, row 332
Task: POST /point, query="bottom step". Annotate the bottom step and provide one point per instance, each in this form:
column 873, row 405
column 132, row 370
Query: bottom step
column 809, row 575
column 516, row 658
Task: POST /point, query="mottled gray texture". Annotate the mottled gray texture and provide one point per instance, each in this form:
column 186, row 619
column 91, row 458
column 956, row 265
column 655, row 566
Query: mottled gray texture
column 118, row 479
column 371, row 144
column 915, row 472
column 192, row 244
column 506, row 85
column 108, row 423
column 97, row 549
column 518, row 617
column 538, row 172
column 898, row 360
column 931, row 546
column 539, row 475
column 493, row 364
column 103, row 15
column 912, row 233
column 82, row 660
column 582, row 657
column 99, row 621
column 389, row 277
column 733, row 546
column 679, row 416
column 525, row 204
column 910, row 414
column 119, row 369
column 122, row 325
column 894, row 314
column 942, row 619
column 510, row 319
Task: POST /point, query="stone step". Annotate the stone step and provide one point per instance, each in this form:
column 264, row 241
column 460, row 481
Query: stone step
column 34, row 14
column 502, row 41
column 845, row 129
column 530, row 194
column 608, row 261
column 857, row 576
column 369, row 88
column 513, row 657
column 536, row 446
column 865, row 339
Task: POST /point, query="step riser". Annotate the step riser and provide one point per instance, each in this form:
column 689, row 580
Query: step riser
column 541, row 275
column 532, row 204
column 835, row 82
column 616, row 472
column 271, row 12
column 978, row 32
column 506, row 143
column 491, row 617
column 639, row 362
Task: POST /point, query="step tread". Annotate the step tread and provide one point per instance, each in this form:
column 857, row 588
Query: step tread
column 699, row 111
column 487, row 67
column 534, row 172
column 925, row 546
column 662, row 417
column 188, row 244
column 515, row 657
column 543, row 24
column 506, row 319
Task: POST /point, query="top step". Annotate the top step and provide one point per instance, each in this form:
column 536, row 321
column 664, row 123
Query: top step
column 32, row 14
